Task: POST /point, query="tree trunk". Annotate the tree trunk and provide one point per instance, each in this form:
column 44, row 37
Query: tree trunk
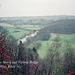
column 36, row 70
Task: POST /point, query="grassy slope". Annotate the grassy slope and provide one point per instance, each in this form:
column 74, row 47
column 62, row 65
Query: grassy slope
column 16, row 35
column 42, row 51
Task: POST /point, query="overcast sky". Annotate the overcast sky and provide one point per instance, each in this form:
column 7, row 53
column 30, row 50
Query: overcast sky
column 36, row 7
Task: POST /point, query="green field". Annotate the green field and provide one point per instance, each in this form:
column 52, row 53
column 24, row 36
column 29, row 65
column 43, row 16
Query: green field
column 43, row 50
column 19, row 32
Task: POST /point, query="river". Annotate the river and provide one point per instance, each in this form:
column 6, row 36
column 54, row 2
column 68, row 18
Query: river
column 25, row 38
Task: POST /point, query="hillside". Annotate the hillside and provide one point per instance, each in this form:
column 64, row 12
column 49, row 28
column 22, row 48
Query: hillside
column 61, row 26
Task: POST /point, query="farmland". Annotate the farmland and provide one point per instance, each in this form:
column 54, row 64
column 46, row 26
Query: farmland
column 19, row 31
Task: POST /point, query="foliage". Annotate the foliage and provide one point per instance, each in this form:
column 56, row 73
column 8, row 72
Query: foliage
column 71, row 72
column 34, row 49
column 69, row 57
column 53, row 57
column 61, row 26
column 10, row 41
column 43, row 34
column 4, row 56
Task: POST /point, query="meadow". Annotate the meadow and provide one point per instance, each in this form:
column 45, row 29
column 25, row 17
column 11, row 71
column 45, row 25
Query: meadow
column 43, row 50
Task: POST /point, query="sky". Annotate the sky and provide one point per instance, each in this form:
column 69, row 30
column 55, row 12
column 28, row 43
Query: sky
column 10, row 8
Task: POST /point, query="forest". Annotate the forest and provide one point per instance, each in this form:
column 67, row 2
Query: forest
column 50, row 52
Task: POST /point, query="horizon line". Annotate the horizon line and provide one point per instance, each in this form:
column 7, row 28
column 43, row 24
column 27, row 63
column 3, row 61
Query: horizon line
column 37, row 16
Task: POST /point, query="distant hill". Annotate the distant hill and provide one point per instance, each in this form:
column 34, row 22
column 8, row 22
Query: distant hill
column 61, row 26
column 36, row 20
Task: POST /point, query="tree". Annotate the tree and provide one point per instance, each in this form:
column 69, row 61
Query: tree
column 9, row 41
column 21, row 52
column 69, row 58
column 43, row 34
column 53, row 57
column 4, row 56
